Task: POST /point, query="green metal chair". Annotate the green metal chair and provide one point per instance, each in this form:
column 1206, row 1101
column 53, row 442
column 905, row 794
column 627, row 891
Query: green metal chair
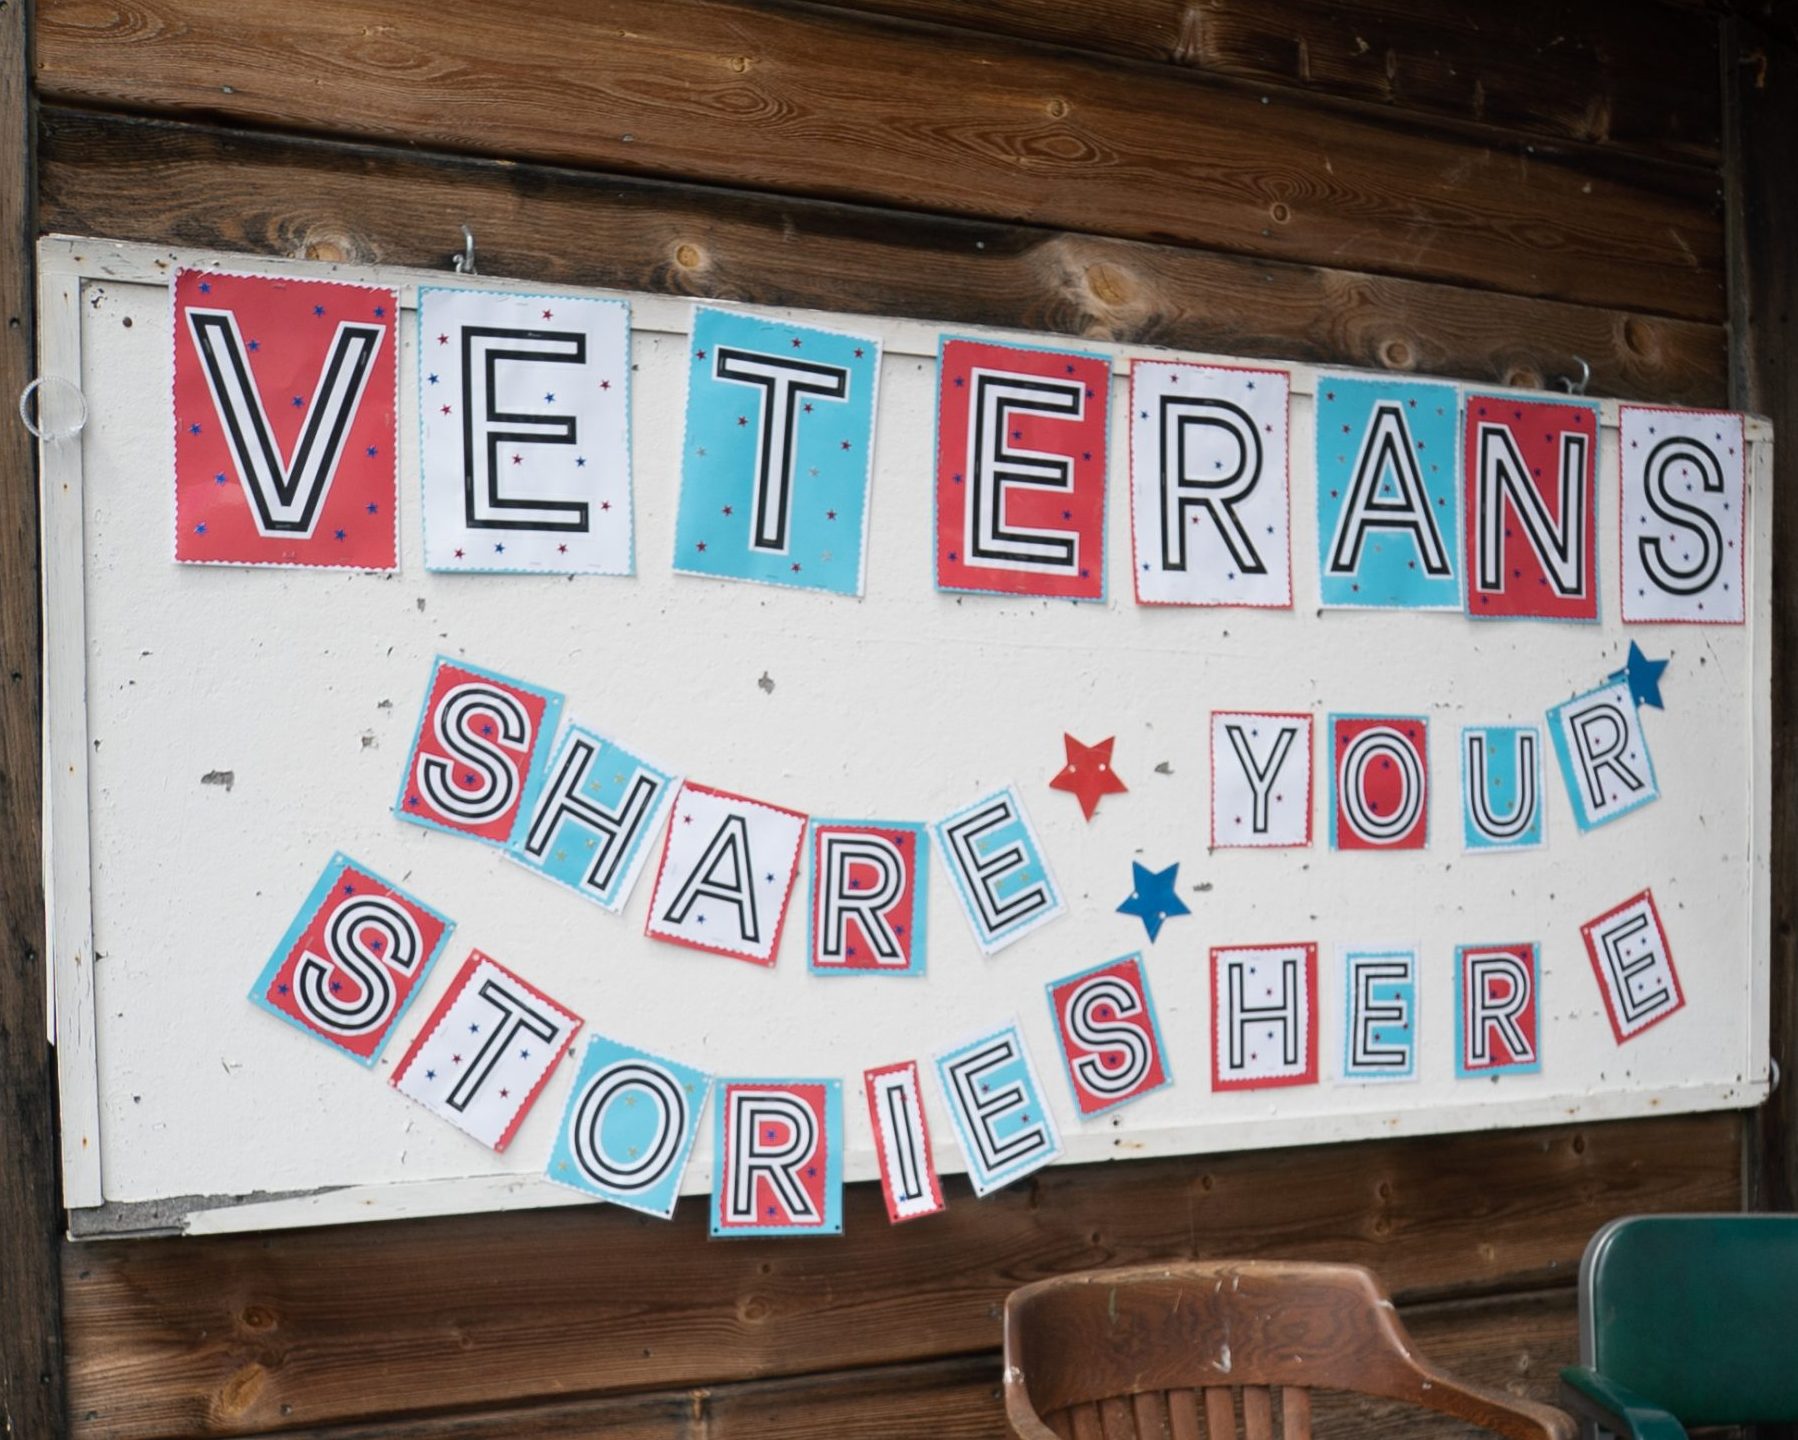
column 1687, row 1320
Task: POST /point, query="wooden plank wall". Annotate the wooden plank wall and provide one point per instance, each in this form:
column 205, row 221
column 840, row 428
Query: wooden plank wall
column 1484, row 190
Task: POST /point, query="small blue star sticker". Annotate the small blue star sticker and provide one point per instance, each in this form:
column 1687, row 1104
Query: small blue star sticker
column 1644, row 677
column 1152, row 899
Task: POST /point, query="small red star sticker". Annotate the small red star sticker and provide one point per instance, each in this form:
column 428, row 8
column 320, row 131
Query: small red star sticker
column 1088, row 775
column 797, row 342
column 605, row 504
column 727, row 509
column 561, row 549
column 605, row 384
column 858, row 352
column 458, row 554
column 702, row 547
column 845, row 444
column 830, row 514
column 742, row 419
column 446, row 409
column 547, row 314
column 443, row 339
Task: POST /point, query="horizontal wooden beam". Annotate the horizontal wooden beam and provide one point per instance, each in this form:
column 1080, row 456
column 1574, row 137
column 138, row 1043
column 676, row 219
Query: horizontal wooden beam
column 1515, row 1342
column 181, row 184
column 1626, row 74
column 247, row 1334
column 848, row 107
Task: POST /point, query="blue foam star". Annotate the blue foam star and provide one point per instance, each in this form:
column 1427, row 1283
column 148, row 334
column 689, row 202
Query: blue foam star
column 1644, row 677
column 1152, row 899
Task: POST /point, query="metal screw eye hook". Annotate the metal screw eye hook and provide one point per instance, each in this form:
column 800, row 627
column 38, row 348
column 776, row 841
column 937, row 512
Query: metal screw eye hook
column 463, row 264
column 1566, row 382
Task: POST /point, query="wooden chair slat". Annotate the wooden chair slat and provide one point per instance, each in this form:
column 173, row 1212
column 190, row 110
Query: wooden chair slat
column 1117, row 1420
column 1150, row 1410
column 1220, row 1413
column 1295, row 1413
column 1087, row 1425
column 1257, row 1413
column 1061, row 1423
column 1183, row 1415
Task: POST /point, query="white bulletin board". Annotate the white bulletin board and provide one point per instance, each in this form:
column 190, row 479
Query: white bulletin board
column 215, row 733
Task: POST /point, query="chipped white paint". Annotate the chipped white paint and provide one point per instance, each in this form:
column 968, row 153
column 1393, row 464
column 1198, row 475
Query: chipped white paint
column 306, row 686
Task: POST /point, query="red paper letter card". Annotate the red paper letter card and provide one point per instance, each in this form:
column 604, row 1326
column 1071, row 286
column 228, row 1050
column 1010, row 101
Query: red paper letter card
column 352, row 960
column 777, row 1158
column 1379, row 782
column 1020, row 470
column 487, row 1051
column 284, row 400
column 480, row 737
column 728, row 867
column 1496, row 1010
column 902, row 1141
column 868, row 897
column 1529, row 467
column 1105, row 1020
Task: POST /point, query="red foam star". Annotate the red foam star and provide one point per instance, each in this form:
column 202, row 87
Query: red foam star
column 1088, row 775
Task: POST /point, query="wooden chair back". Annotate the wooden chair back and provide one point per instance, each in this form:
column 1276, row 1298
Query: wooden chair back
column 1211, row 1350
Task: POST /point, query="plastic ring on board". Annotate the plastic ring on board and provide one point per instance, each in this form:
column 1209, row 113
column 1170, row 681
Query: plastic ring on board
column 52, row 385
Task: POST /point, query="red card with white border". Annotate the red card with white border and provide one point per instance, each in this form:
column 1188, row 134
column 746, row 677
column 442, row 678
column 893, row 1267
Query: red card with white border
column 487, row 1051
column 1634, row 966
column 480, row 736
column 1529, row 468
column 908, row 1176
column 1020, row 483
column 284, row 395
column 727, row 872
column 1110, row 1043
column 1263, row 1016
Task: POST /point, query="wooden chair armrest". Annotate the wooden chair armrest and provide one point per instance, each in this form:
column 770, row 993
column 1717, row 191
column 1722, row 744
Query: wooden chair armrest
column 1494, row 1409
column 1024, row 1422
column 1612, row 1407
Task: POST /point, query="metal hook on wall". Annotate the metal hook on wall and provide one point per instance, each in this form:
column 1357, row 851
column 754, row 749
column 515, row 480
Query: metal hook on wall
column 463, row 263
column 1567, row 383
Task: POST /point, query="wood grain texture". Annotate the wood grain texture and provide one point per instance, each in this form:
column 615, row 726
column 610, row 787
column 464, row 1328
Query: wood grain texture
column 818, row 103
column 1515, row 1343
column 31, row 1378
column 1764, row 375
column 179, row 184
column 1639, row 77
column 239, row 1335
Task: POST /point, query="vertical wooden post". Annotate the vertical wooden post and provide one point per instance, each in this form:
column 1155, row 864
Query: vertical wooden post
column 1761, row 109
column 31, row 1377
